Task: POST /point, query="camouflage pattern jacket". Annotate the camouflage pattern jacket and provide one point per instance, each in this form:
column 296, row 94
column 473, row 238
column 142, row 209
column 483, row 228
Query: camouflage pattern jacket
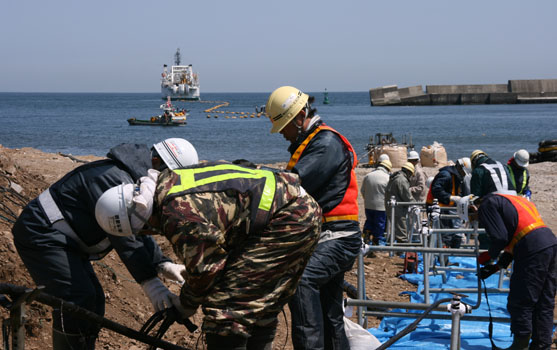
column 240, row 275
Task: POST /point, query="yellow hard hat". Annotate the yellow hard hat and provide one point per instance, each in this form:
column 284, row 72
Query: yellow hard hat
column 409, row 166
column 386, row 164
column 283, row 105
column 475, row 154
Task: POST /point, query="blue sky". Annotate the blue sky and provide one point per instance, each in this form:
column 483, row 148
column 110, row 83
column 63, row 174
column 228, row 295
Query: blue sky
column 256, row 46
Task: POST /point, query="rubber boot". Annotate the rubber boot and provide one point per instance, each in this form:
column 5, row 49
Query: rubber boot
column 65, row 341
column 520, row 343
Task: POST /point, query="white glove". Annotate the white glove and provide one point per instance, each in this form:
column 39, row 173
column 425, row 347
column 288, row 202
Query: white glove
column 159, row 295
column 455, row 199
column 172, row 271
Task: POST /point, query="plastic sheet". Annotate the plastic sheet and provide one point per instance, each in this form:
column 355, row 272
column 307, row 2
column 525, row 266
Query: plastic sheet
column 436, row 334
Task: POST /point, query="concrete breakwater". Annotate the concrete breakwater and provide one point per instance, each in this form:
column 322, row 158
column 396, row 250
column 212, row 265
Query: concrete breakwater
column 515, row 91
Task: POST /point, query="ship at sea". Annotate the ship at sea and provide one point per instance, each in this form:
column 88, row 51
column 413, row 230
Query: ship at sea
column 180, row 83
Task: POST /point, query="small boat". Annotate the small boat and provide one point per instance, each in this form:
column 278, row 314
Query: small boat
column 169, row 117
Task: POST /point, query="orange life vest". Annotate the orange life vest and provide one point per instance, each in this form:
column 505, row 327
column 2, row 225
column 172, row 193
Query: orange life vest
column 347, row 209
column 429, row 199
column 529, row 219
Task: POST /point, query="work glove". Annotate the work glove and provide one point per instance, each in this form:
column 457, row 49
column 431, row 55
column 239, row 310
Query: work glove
column 488, row 270
column 528, row 194
column 160, row 296
column 172, row 271
column 455, row 199
column 504, row 260
column 484, row 258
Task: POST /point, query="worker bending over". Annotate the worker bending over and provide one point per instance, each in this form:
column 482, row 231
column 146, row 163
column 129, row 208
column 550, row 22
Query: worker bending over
column 57, row 235
column 244, row 236
column 515, row 227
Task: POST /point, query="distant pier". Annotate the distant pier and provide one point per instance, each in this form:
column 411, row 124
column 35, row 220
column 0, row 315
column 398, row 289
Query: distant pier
column 515, row 91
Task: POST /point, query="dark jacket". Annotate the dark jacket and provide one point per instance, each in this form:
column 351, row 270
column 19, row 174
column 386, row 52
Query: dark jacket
column 482, row 182
column 500, row 219
column 76, row 194
column 520, row 177
column 324, row 168
column 442, row 185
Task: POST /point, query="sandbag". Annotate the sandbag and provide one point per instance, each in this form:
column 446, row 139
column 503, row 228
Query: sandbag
column 433, row 155
column 396, row 153
column 358, row 337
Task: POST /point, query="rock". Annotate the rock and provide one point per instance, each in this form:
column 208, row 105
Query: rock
column 16, row 187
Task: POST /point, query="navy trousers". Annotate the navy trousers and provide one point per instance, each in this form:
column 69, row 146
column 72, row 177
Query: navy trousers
column 316, row 308
column 532, row 297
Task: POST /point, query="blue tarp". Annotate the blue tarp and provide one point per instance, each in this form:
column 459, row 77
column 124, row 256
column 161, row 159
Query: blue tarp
column 436, row 334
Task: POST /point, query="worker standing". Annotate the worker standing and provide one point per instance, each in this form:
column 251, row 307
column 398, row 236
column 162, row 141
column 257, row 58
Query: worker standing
column 399, row 188
column 489, row 176
column 448, row 187
column 518, row 172
column 515, row 227
column 373, row 191
column 417, row 181
column 325, row 162
column 244, row 236
column 57, row 235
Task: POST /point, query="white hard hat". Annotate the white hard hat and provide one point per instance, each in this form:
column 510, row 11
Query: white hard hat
column 111, row 210
column 413, row 155
column 465, row 164
column 176, row 153
column 383, row 157
column 522, row 158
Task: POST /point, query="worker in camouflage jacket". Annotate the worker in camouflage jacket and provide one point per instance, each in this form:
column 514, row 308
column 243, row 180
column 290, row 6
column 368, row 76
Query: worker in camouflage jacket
column 245, row 236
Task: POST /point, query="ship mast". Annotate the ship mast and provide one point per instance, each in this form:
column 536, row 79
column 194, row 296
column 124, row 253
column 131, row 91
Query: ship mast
column 177, row 57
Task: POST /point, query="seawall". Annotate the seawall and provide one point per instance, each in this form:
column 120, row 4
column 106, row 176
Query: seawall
column 515, row 91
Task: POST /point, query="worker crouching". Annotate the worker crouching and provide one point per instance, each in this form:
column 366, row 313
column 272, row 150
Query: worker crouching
column 245, row 236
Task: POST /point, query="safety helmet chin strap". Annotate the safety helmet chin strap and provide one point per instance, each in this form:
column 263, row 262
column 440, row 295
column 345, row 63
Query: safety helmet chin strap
column 306, row 115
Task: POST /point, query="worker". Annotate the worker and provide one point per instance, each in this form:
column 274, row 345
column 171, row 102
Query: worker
column 516, row 229
column 518, row 172
column 489, row 176
column 325, row 162
column 417, row 181
column 382, row 157
column 373, row 192
column 56, row 236
column 243, row 234
column 448, row 187
column 399, row 188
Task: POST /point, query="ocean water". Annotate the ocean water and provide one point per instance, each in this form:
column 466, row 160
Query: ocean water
column 89, row 123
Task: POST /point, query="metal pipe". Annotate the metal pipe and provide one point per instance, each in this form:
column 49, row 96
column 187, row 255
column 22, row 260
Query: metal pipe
column 391, row 304
column 362, row 321
column 443, row 316
column 467, row 290
column 454, row 251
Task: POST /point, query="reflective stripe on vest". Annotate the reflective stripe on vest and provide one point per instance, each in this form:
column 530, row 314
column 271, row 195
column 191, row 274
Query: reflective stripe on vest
column 347, row 209
column 501, row 183
column 59, row 223
column 513, row 181
column 429, row 199
column 192, row 180
column 529, row 219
